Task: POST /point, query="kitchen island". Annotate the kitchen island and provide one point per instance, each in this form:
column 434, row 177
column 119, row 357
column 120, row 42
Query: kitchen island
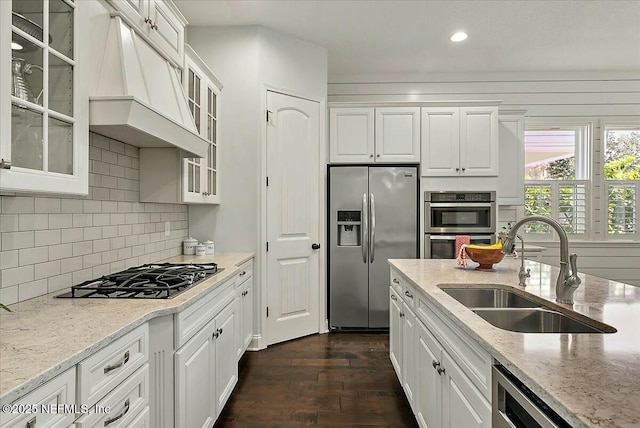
column 45, row 336
column 590, row 380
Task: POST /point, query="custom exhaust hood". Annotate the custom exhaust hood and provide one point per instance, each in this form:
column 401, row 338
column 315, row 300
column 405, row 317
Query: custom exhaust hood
column 138, row 98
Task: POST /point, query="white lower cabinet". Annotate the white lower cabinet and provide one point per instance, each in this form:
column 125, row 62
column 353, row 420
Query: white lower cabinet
column 445, row 376
column 244, row 295
column 206, row 371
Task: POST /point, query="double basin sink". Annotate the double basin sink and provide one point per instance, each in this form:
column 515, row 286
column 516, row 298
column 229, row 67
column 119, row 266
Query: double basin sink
column 508, row 310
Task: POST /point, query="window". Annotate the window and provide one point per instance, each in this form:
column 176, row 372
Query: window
column 621, row 173
column 557, row 177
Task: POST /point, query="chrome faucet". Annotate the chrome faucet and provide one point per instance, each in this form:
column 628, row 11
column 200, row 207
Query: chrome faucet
column 522, row 274
column 568, row 280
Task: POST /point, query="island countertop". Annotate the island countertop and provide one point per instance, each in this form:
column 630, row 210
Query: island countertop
column 45, row 336
column 591, row 380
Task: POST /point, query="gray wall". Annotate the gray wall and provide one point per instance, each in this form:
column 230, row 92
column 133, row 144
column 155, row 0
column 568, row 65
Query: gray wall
column 50, row 243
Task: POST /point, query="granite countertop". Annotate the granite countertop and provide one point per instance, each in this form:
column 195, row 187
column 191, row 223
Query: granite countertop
column 45, row 336
column 591, row 380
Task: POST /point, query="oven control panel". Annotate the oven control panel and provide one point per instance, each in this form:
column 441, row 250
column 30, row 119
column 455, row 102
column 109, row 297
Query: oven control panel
column 460, row 196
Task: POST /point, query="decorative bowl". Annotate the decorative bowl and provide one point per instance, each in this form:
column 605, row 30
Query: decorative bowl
column 485, row 257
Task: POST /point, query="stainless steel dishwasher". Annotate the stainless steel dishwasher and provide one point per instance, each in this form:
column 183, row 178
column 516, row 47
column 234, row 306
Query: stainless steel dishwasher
column 516, row 406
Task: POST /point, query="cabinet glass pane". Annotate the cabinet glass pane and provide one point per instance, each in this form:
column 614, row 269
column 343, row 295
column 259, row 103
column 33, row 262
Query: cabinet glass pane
column 191, row 84
column 60, row 146
column 26, row 138
column 28, row 17
column 214, row 107
column 60, row 85
column 196, row 116
column 61, row 27
column 27, row 75
column 214, row 125
column 214, row 156
column 196, row 178
column 190, row 177
column 209, row 128
column 213, row 182
column 210, row 182
column 197, row 90
column 211, row 157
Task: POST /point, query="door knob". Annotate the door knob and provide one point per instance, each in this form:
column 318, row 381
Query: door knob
column 315, row 246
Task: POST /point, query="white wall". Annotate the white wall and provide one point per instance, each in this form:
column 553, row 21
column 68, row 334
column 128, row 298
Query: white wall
column 599, row 96
column 248, row 60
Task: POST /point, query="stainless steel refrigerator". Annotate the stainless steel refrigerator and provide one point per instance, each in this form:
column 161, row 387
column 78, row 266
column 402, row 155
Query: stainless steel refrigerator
column 373, row 217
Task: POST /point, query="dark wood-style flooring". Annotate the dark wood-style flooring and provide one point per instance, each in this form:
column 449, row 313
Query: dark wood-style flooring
column 327, row 380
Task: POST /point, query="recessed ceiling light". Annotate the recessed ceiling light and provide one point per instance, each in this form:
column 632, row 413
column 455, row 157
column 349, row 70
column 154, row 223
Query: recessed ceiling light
column 16, row 46
column 459, row 36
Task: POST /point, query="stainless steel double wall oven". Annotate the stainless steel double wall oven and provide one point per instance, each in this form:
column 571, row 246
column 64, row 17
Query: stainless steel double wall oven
column 448, row 214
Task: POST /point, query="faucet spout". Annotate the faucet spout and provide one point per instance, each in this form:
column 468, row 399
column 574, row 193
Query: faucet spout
column 568, row 280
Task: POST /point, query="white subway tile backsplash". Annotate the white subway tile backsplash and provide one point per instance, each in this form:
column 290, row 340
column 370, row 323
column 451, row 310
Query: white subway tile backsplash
column 72, row 235
column 61, row 221
column 9, row 222
column 17, row 275
column 60, row 282
column 50, row 243
column 17, row 205
column 82, row 220
column 33, row 289
column 48, row 269
column 9, row 295
column 100, row 245
column 71, row 264
column 72, row 206
column 47, row 237
column 17, row 240
column 47, row 205
column 82, row 248
column 61, row 251
column 33, row 222
column 29, row 256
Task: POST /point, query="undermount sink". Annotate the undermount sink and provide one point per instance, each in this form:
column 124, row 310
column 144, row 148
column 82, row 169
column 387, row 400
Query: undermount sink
column 490, row 298
column 535, row 320
column 511, row 311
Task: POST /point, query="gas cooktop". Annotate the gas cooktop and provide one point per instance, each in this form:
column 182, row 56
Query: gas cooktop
column 150, row 281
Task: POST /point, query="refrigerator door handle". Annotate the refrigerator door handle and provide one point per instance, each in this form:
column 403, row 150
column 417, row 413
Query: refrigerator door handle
column 372, row 241
column 364, row 232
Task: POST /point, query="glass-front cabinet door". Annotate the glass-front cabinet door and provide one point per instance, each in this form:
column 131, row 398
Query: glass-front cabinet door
column 44, row 106
column 200, row 175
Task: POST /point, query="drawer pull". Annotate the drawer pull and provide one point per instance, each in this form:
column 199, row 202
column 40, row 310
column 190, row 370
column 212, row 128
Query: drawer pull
column 440, row 370
column 243, row 273
column 395, row 281
column 117, row 366
column 409, row 295
column 435, row 363
column 31, row 423
column 119, row 415
column 393, row 297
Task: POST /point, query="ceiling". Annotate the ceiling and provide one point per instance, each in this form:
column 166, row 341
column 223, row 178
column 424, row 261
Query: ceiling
column 412, row 37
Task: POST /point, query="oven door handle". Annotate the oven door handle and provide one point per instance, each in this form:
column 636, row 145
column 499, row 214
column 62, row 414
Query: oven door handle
column 364, row 230
column 461, row 205
column 453, row 237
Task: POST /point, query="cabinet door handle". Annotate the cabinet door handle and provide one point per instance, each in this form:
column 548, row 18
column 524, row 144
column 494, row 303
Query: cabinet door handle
column 393, row 297
column 371, row 155
column 220, row 331
column 401, row 314
column 215, row 335
column 457, row 169
column 435, row 363
column 464, row 169
column 440, row 370
column 243, row 273
column 119, row 415
column 315, row 246
column 124, row 361
column 395, row 281
column 31, row 423
column 409, row 295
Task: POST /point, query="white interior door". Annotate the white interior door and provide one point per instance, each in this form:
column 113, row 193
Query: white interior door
column 293, row 205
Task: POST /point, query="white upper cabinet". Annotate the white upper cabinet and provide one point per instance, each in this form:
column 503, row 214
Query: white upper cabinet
column 160, row 21
column 168, row 178
column 382, row 134
column 511, row 136
column 44, row 134
column 460, row 141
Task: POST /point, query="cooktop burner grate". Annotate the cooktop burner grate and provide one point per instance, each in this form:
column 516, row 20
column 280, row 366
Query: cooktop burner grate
column 149, row 281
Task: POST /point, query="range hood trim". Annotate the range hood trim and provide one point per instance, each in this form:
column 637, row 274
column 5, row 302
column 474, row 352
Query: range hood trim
column 138, row 98
column 126, row 119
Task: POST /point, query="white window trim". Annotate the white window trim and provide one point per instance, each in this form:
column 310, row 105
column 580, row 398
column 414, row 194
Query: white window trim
column 601, row 184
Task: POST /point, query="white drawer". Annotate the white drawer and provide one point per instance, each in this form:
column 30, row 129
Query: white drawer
column 59, row 391
column 396, row 281
column 122, row 405
column 195, row 317
column 101, row 372
column 246, row 272
column 474, row 361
